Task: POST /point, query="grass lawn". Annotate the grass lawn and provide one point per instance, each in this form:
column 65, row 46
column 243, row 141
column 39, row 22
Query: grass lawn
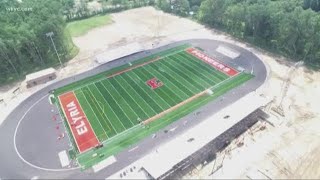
column 81, row 27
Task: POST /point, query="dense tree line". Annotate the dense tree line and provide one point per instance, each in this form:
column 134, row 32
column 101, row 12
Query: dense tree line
column 312, row 4
column 24, row 46
column 290, row 27
column 282, row 26
column 179, row 7
column 76, row 11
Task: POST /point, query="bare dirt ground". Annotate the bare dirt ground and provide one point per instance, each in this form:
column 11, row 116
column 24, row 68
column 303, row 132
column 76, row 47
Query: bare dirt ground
column 289, row 149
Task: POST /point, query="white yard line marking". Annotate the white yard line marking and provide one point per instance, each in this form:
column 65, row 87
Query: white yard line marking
column 123, row 133
column 169, row 96
column 146, row 93
column 194, row 59
column 173, row 108
column 172, row 84
column 183, row 79
column 131, row 96
column 124, row 101
column 142, row 64
column 138, row 94
column 214, row 78
column 118, row 136
column 102, row 110
column 103, row 107
column 86, row 117
column 218, row 84
column 94, row 113
column 186, row 74
column 117, row 103
column 104, row 77
column 154, row 93
column 187, row 71
column 167, row 87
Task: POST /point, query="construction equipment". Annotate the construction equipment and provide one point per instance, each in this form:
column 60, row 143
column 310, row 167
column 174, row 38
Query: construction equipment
column 285, row 87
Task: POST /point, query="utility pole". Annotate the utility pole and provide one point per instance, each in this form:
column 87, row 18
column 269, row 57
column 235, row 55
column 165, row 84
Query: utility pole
column 50, row 34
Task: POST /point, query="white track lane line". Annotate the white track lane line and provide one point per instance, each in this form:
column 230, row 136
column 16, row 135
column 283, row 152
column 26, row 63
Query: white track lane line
column 16, row 149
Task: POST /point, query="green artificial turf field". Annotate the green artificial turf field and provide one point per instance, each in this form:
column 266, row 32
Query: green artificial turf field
column 130, row 102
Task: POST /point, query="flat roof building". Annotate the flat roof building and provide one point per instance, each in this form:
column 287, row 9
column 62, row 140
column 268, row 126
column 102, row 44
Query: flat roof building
column 40, row 77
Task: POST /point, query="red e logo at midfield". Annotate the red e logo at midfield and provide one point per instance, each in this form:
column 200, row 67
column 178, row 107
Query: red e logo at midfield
column 154, row 83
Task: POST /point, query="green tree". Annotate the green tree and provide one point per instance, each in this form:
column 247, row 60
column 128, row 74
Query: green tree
column 181, row 7
column 195, row 2
column 288, row 27
column 313, row 4
column 212, row 11
column 235, row 19
column 68, row 6
column 24, row 46
column 164, row 5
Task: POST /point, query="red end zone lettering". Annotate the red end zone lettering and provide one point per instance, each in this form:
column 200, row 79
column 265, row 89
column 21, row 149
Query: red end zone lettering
column 78, row 122
column 214, row 63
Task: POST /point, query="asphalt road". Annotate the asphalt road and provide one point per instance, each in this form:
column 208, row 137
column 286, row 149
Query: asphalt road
column 29, row 135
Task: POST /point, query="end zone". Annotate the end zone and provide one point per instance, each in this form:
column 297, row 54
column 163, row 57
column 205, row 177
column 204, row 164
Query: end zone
column 80, row 127
column 213, row 62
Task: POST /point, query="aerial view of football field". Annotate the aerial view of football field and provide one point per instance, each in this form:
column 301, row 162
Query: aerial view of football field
column 144, row 89
column 108, row 112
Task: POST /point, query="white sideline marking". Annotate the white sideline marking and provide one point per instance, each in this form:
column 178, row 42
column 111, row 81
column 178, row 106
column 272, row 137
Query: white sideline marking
column 133, row 149
column 33, row 178
column 64, row 159
column 103, row 164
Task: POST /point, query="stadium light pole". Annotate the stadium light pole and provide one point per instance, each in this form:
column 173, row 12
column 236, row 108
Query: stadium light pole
column 50, row 34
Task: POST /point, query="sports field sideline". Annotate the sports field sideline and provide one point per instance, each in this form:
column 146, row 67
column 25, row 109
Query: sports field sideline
column 100, row 109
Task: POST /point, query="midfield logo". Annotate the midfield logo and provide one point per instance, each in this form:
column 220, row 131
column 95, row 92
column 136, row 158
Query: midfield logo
column 154, row 83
